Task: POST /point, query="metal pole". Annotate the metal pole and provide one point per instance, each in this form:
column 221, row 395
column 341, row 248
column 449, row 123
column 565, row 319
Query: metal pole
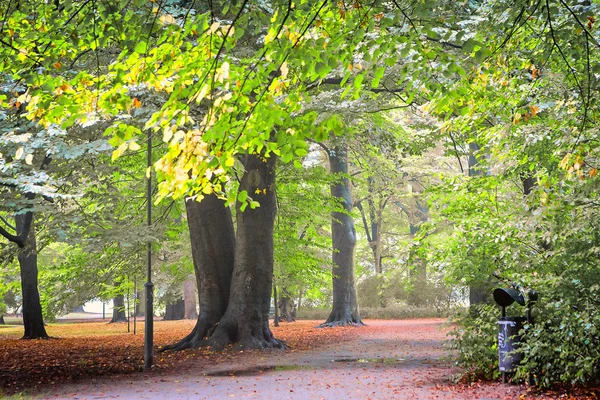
column 149, row 319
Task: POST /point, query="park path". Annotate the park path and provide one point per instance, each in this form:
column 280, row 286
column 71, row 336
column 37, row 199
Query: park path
column 402, row 359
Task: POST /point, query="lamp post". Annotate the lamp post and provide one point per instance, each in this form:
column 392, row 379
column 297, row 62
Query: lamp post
column 149, row 319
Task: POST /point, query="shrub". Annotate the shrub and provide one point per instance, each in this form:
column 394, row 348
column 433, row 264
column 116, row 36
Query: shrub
column 475, row 339
column 562, row 346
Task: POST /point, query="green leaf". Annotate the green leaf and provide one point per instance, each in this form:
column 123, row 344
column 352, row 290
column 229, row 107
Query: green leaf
column 141, row 47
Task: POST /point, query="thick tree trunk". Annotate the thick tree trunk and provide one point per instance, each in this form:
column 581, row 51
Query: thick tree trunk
column 119, row 309
column 345, row 304
column 175, row 311
column 33, row 320
column 213, row 246
column 246, row 321
column 190, row 299
column 286, row 308
column 2, row 320
column 246, row 301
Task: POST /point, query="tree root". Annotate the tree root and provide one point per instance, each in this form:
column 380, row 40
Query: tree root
column 221, row 334
column 342, row 319
column 196, row 338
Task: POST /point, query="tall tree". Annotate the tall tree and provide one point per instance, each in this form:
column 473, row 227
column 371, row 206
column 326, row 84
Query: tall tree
column 235, row 277
column 119, row 309
column 343, row 235
column 33, row 320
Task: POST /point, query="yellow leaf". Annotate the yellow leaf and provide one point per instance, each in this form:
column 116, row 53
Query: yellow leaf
column 19, row 153
column 119, row 151
column 29, row 159
column 133, row 146
column 284, row 69
column 565, row 161
column 214, row 27
column 167, row 134
column 137, row 103
column 229, row 162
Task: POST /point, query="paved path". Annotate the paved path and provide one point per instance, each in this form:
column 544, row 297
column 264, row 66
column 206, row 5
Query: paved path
column 387, row 360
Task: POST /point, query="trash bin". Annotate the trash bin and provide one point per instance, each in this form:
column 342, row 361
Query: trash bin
column 509, row 354
column 509, row 340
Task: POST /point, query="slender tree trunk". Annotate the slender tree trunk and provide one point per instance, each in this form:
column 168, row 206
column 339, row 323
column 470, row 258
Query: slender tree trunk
column 33, row 320
column 345, row 304
column 246, row 321
column 276, row 318
column 119, row 309
column 418, row 274
column 2, row 320
column 213, row 246
column 175, row 311
column 479, row 292
column 190, row 299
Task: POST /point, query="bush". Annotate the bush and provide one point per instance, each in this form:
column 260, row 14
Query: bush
column 475, row 339
column 562, row 346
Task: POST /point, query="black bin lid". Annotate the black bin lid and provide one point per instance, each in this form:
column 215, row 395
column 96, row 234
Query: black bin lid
column 506, row 296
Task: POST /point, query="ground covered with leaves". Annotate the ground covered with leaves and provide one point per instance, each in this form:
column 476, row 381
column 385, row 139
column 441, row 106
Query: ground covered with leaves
column 385, row 359
column 94, row 349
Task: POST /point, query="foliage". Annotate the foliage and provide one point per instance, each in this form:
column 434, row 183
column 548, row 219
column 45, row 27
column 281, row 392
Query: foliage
column 475, row 339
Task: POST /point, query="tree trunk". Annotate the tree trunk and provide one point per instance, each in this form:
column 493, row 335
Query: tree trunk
column 479, row 292
column 276, row 317
column 2, row 320
column 140, row 305
column 213, row 246
column 33, row 320
column 246, row 321
column 119, row 309
column 190, row 299
column 286, row 307
column 78, row 309
column 175, row 311
column 418, row 274
column 246, row 301
column 345, row 304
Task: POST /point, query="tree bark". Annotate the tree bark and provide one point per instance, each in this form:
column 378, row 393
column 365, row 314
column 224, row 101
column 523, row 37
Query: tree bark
column 175, row 311
column 235, row 274
column 33, row 320
column 246, row 321
column 286, row 307
column 213, row 246
column 190, row 299
column 140, row 305
column 345, row 305
column 2, row 320
column 119, row 309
